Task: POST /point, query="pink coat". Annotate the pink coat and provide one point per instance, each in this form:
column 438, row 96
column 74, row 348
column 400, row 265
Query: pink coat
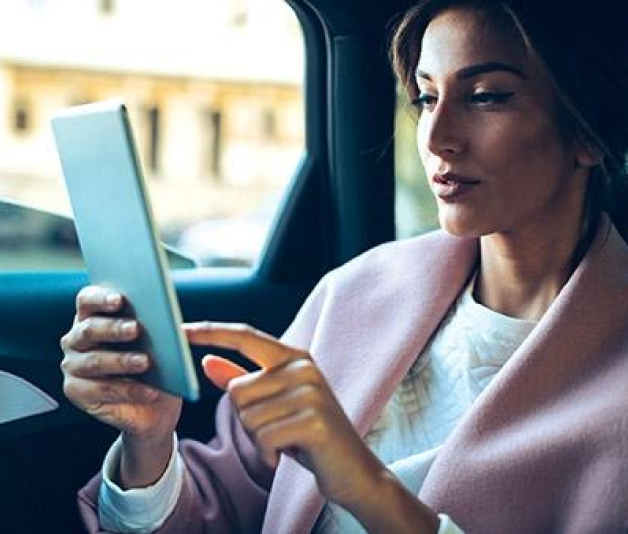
column 544, row 449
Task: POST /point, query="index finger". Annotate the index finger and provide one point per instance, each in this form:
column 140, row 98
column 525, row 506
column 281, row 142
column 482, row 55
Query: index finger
column 94, row 299
column 257, row 346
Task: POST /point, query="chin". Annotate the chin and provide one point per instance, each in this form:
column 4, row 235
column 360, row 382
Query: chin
column 466, row 227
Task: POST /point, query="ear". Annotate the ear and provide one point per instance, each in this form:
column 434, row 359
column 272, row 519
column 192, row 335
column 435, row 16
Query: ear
column 587, row 154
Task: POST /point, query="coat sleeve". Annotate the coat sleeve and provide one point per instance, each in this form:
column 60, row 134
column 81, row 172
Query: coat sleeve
column 225, row 486
column 226, row 483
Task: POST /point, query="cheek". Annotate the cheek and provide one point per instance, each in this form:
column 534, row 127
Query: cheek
column 525, row 147
column 533, row 168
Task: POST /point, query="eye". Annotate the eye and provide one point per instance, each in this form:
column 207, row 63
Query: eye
column 488, row 98
column 425, row 101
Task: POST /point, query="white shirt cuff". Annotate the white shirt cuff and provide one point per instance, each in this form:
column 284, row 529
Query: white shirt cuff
column 447, row 526
column 138, row 509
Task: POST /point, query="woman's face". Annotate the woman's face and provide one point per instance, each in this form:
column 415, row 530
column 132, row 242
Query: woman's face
column 488, row 134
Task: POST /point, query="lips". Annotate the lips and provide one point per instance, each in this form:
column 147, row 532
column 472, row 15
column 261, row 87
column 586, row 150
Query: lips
column 449, row 186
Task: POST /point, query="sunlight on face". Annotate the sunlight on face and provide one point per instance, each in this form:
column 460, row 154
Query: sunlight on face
column 488, row 134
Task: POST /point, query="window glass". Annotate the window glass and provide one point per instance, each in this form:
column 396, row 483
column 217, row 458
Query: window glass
column 415, row 207
column 214, row 92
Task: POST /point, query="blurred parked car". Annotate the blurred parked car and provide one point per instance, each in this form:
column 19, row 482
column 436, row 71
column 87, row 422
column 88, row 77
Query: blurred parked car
column 25, row 226
column 229, row 242
column 225, row 242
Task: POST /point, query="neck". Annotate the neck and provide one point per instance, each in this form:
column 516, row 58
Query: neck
column 520, row 275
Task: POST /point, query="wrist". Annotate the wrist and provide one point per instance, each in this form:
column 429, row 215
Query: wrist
column 143, row 461
column 388, row 507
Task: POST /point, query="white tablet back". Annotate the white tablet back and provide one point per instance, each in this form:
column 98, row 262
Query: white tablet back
column 117, row 234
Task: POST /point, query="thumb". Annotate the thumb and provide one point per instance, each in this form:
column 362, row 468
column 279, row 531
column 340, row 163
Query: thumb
column 220, row 370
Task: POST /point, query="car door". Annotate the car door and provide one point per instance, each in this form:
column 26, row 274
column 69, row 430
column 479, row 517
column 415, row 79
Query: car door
column 340, row 202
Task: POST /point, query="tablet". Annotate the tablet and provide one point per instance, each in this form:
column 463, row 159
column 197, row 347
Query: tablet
column 117, row 234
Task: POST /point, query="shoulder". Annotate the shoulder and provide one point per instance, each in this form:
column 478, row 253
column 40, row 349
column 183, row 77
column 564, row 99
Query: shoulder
column 388, row 280
column 396, row 270
column 402, row 259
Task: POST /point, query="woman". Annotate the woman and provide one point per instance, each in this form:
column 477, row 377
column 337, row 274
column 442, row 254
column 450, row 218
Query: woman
column 514, row 417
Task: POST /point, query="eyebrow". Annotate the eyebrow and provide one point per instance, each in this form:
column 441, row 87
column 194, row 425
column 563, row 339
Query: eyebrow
column 477, row 70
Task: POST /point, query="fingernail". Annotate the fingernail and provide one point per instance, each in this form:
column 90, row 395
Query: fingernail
column 112, row 300
column 128, row 327
column 150, row 394
column 138, row 361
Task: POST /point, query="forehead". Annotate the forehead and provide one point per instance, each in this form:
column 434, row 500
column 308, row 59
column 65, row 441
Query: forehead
column 459, row 37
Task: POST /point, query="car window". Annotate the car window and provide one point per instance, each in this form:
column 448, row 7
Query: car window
column 415, row 207
column 215, row 97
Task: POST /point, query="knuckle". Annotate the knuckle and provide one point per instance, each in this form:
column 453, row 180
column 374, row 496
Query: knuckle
column 239, row 386
column 64, row 342
column 106, row 393
column 94, row 363
column 71, row 391
column 245, row 418
column 311, row 395
column 304, row 355
column 119, row 327
column 236, row 392
column 305, row 369
column 233, row 390
column 65, row 366
column 133, row 392
column 303, row 365
column 136, row 392
column 83, row 297
column 317, row 424
column 86, row 329
column 245, row 329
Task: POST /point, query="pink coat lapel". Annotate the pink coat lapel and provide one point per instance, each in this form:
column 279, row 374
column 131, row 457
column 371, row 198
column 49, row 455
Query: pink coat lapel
column 556, row 407
column 365, row 326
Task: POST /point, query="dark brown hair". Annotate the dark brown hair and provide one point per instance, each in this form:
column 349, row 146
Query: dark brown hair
column 585, row 51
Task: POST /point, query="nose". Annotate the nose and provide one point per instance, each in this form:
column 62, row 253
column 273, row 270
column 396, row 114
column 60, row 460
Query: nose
column 441, row 131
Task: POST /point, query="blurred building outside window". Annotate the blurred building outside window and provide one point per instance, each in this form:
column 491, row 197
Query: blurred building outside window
column 107, row 6
column 22, row 118
column 214, row 91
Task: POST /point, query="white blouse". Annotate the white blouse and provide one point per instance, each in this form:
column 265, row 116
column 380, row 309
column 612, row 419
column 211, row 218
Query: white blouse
column 469, row 348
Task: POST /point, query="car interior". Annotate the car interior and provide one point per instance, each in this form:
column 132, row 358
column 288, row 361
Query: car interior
column 340, row 202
